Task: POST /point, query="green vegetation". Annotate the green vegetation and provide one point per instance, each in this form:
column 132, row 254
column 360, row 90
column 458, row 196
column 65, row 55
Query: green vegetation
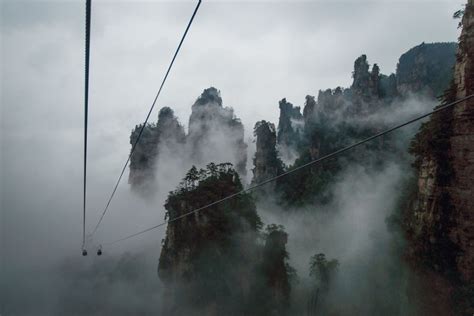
column 323, row 270
column 203, row 186
column 432, row 140
column 458, row 15
column 288, row 129
column 216, row 257
column 274, row 276
column 167, row 133
column 427, row 66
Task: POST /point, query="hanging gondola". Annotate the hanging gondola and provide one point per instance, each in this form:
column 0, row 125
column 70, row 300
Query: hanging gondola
column 84, row 252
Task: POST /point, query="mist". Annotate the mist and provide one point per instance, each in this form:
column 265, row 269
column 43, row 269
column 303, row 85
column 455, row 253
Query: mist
column 41, row 130
column 354, row 228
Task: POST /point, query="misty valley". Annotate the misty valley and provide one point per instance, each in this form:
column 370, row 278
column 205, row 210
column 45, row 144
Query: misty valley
column 253, row 226
column 327, row 240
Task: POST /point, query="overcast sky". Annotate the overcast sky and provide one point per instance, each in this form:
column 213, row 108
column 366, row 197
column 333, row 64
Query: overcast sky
column 255, row 53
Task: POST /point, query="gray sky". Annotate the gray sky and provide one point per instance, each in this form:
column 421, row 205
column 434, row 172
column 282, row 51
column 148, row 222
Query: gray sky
column 254, row 52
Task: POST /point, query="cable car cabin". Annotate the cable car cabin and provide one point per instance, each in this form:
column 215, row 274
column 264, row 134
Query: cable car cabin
column 99, row 252
column 84, row 252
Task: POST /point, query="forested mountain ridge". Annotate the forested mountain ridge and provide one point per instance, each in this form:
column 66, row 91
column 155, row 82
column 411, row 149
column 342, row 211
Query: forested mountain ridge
column 221, row 261
column 439, row 219
column 213, row 262
column 211, row 126
column 425, row 69
column 338, row 117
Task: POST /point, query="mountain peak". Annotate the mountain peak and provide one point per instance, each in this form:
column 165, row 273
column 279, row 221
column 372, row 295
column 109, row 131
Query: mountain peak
column 209, row 95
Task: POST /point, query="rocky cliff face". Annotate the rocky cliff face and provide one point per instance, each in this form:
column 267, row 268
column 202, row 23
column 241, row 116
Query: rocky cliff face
column 311, row 140
column 170, row 131
column 462, row 148
column 290, row 128
column 205, row 260
column 426, row 68
column 330, row 123
column 440, row 223
column 142, row 162
column 211, row 262
column 366, row 85
column 328, row 118
column 266, row 162
column 288, row 124
column 276, row 270
column 338, row 117
column 215, row 134
column 165, row 135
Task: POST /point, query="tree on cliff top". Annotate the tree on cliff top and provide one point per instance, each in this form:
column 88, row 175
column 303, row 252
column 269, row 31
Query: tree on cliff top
column 322, row 270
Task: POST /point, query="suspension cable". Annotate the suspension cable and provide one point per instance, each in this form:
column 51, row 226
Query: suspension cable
column 146, row 120
column 86, row 113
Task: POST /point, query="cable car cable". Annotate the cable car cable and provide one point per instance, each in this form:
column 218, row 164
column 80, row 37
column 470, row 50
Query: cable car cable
column 86, row 113
column 146, row 120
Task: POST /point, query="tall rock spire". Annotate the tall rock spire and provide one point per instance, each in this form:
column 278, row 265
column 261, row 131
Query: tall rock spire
column 266, row 162
column 441, row 220
column 462, row 148
column 166, row 134
column 366, row 83
column 215, row 133
column 290, row 128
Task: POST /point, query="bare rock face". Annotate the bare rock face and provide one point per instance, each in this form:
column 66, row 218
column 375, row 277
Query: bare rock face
column 337, row 117
column 366, row 85
column 267, row 164
column 276, row 271
column 309, row 109
column 207, row 257
column 462, row 149
column 290, row 129
column 289, row 124
column 275, row 268
column 426, row 68
column 166, row 134
column 441, row 220
column 215, row 134
column 142, row 162
column 170, row 131
column 388, row 87
column 313, row 140
column 212, row 262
